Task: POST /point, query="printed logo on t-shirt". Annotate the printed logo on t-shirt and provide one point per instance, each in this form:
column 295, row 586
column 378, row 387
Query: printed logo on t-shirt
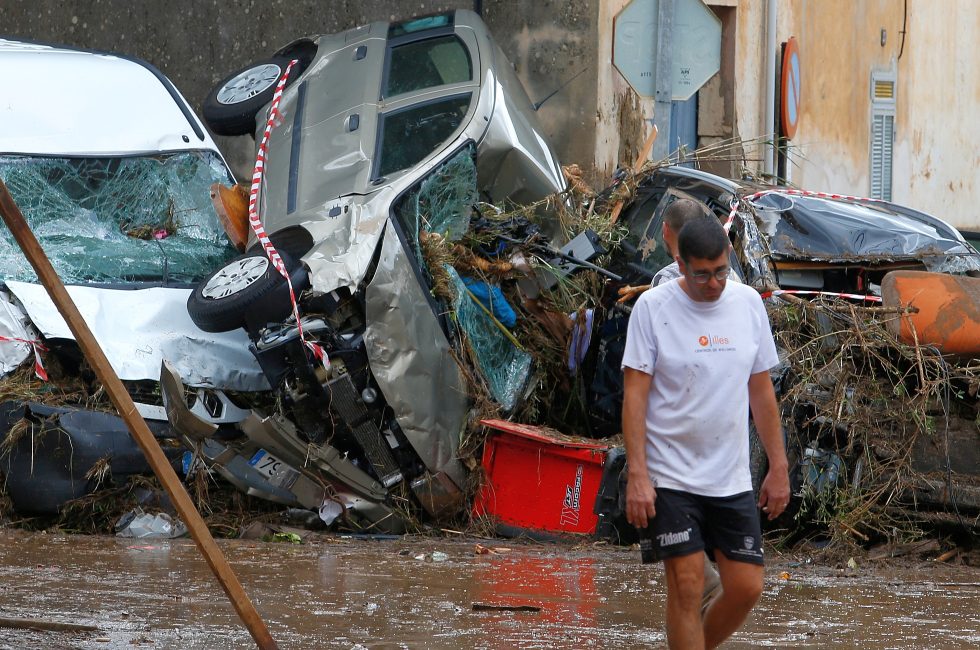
column 715, row 343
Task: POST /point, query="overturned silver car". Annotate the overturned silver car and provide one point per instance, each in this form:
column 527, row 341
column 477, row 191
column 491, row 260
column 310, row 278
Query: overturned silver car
column 388, row 134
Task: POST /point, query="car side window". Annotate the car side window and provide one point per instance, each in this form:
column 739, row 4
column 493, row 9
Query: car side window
column 427, row 64
column 411, row 134
column 644, row 243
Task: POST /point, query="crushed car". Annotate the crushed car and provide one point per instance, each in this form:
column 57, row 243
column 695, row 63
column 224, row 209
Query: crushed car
column 114, row 184
column 387, row 136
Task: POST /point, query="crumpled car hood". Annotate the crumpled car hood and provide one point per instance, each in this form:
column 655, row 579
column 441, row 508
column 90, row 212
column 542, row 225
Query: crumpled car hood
column 138, row 329
column 816, row 229
column 346, row 244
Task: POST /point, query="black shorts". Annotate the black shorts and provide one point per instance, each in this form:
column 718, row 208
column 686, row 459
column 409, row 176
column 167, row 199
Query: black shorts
column 686, row 523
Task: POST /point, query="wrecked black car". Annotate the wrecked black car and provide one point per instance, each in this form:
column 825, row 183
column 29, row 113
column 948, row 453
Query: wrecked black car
column 793, row 240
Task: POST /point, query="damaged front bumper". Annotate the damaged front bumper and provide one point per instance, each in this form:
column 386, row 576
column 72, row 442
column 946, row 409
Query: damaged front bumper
column 266, row 457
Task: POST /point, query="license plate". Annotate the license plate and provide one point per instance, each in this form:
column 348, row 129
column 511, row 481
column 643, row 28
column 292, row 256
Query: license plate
column 276, row 471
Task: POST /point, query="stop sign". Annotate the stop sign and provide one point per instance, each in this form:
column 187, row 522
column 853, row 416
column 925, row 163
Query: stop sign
column 696, row 41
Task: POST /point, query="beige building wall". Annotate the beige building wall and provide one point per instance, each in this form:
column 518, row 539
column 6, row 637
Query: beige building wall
column 935, row 148
column 936, row 156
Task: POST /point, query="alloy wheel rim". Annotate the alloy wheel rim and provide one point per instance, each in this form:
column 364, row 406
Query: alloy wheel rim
column 235, row 277
column 249, row 83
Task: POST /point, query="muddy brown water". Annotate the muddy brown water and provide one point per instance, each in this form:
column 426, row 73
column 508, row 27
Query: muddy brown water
column 340, row 592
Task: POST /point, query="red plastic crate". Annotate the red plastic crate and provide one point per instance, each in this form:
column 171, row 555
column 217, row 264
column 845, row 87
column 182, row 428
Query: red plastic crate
column 538, row 482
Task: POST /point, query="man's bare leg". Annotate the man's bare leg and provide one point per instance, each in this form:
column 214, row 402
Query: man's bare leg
column 741, row 586
column 685, row 585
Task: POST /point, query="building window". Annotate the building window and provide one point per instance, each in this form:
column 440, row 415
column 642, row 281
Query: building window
column 882, row 133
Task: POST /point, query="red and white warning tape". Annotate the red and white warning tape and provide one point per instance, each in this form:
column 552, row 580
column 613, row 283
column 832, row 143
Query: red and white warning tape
column 253, row 196
column 38, row 347
column 831, row 294
column 256, row 223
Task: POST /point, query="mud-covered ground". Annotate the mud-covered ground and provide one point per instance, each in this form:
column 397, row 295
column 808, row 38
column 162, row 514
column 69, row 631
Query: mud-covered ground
column 337, row 592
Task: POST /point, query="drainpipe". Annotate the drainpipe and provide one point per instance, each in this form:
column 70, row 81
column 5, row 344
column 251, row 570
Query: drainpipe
column 770, row 125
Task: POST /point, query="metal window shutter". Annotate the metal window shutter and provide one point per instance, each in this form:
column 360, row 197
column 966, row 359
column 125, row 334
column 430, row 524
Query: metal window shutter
column 882, row 139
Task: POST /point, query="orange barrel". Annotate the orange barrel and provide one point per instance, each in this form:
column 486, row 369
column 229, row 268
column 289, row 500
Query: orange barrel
column 948, row 306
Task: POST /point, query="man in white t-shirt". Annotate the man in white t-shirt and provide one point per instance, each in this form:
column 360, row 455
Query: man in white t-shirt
column 698, row 351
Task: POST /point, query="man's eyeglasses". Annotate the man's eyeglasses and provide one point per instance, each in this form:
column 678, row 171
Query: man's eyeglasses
column 702, row 277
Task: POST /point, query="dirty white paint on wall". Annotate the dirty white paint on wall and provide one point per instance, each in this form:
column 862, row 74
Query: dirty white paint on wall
column 935, row 153
column 611, row 86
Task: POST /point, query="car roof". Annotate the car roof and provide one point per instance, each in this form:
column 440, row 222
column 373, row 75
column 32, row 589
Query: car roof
column 815, row 227
column 71, row 102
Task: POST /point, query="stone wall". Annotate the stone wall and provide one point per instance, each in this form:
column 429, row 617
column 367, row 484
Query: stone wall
column 196, row 43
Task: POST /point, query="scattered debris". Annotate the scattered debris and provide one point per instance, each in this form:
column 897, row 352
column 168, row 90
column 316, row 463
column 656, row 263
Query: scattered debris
column 45, row 626
column 483, row 607
column 889, row 551
column 480, row 549
column 948, row 555
column 268, row 532
column 379, row 392
column 142, row 525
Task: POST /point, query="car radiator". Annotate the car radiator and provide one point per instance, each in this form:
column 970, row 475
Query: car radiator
column 346, row 403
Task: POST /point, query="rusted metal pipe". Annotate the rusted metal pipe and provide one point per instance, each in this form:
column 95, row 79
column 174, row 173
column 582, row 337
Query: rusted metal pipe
column 134, row 421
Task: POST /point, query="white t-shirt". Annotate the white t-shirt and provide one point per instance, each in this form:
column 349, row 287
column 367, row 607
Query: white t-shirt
column 670, row 272
column 701, row 355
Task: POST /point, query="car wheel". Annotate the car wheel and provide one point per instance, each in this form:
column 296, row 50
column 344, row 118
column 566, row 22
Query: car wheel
column 231, row 106
column 247, row 291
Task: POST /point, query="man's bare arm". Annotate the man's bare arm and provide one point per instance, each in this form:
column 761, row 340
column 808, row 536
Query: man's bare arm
column 640, row 494
column 774, row 493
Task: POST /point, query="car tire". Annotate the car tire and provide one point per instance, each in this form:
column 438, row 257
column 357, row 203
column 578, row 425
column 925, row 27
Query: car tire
column 247, row 291
column 231, row 106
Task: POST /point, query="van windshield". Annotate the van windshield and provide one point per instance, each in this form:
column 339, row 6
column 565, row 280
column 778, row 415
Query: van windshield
column 122, row 219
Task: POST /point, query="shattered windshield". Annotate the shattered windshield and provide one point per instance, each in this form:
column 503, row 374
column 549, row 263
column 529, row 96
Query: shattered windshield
column 133, row 219
column 443, row 204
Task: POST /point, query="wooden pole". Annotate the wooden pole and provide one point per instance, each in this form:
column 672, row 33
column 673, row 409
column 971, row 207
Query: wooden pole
column 637, row 165
column 134, row 421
